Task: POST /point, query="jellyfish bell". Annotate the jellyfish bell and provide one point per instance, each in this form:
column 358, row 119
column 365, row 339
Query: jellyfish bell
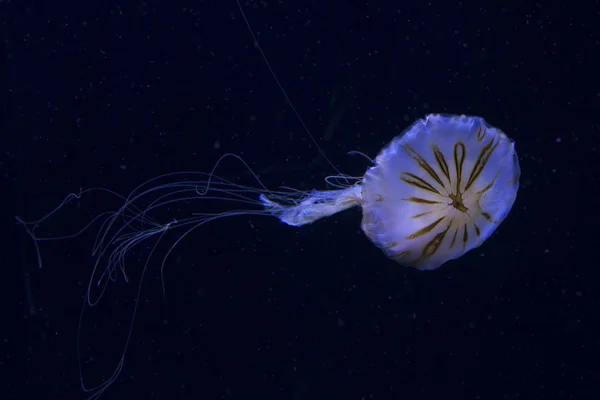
column 437, row 191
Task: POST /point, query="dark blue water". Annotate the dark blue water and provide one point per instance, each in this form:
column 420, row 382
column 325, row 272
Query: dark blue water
column 110, row 94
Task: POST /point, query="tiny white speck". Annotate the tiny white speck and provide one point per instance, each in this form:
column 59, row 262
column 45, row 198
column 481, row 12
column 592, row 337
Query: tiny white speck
column 217, row 144
column 558, row 140
column 123, row 167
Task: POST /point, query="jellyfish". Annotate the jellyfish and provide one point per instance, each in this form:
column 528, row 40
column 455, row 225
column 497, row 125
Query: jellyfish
column 435, row 192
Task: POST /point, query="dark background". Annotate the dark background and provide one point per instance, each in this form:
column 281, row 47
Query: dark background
column 110, row 94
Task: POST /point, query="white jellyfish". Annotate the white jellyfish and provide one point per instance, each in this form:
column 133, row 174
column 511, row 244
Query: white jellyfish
column 438, row 190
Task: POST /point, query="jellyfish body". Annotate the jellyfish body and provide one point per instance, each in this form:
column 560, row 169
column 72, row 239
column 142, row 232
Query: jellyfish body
column 438, row 190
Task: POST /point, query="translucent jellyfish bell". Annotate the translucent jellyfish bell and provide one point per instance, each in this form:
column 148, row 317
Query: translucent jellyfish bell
column 438, row 190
